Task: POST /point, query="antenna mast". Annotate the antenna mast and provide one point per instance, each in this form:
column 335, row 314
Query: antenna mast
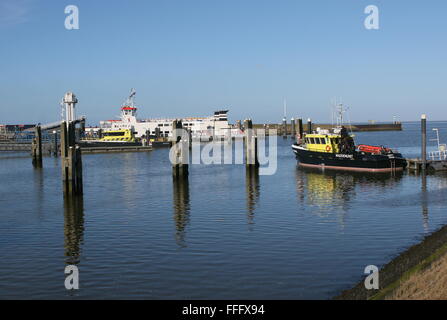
column 130, row 102
column 339, row 110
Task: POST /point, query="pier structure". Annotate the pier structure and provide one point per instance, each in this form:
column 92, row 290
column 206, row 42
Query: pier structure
column 353, row 127
column 438, row 159
column 70, row 151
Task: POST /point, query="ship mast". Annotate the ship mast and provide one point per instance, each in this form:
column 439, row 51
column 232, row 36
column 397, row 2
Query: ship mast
column 130, row 101
column 339, row 111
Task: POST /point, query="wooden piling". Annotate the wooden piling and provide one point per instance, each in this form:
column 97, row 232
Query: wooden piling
column 293, row 129
column 71, row 161
column 284, row 125
column 64, row 151
column 309, row 126
column 424, row 142
column 300, row 128
column 55, row 151
column 36, row 147
column 180, row 167
column 78, row 171
column 251, row 145
column 248, row 131
column 71, row 182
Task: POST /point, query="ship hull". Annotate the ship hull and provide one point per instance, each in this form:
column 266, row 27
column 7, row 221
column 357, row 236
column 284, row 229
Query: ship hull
column 97, row 143
column 349, row 162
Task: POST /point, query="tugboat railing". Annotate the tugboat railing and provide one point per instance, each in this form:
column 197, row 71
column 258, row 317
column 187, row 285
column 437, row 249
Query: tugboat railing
column 441, row 153
column 438, row 155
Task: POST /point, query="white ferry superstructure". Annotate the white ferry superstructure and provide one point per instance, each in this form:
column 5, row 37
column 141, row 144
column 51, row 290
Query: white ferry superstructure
column 212, row 126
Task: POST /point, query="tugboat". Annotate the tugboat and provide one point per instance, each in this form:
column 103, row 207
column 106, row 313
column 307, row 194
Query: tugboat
column 336, row 150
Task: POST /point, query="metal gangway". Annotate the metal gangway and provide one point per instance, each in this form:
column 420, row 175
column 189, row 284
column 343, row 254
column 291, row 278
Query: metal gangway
column 441, row 153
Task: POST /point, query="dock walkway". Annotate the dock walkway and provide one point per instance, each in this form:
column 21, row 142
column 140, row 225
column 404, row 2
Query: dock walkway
column 415, row 165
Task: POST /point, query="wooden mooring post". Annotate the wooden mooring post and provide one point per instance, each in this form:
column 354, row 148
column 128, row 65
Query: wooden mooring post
column 284, row 126
column 293, row 129
column 251, row 145
column 36, row 147
column 309, row 126
column 424, row 142
column 421, row 165
column 300, row 128
column 71, row 160
column 180, row 167
column 55, row 144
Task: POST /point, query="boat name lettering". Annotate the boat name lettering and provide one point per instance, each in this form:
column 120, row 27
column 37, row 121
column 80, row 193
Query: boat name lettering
column 349, row 156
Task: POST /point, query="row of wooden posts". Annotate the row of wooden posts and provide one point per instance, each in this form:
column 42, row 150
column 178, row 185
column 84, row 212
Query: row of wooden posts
column 71, row 158
column 296, row 127
column 180, row 167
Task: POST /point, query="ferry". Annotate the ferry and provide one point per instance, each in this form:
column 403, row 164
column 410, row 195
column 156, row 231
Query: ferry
column 215, row 126
column 336, row 149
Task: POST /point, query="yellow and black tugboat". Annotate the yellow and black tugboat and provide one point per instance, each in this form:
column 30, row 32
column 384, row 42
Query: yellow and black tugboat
column 335, row 149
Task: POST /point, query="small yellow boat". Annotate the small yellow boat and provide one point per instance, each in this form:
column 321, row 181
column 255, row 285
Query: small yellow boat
column 123, row 135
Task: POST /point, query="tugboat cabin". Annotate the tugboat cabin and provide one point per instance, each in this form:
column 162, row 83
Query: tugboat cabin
column 328, row 143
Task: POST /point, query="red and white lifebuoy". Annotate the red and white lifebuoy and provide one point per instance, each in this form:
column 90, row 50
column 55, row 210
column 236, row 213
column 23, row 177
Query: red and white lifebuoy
column 328, row 148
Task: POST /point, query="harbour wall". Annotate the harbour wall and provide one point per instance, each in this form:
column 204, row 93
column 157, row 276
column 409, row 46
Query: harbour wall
column 355, row 127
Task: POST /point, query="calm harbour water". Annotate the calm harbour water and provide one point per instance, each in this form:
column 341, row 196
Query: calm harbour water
column 299, row 234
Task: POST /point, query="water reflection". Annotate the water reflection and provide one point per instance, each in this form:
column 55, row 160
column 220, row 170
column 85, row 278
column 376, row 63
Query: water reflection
column 73, row 228
column 39, row 191
column 181, row 206
column 252, row 190
column 424, row 202
column 334, row 191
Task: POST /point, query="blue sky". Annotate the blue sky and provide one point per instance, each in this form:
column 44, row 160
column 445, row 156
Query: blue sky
column 192, row 57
